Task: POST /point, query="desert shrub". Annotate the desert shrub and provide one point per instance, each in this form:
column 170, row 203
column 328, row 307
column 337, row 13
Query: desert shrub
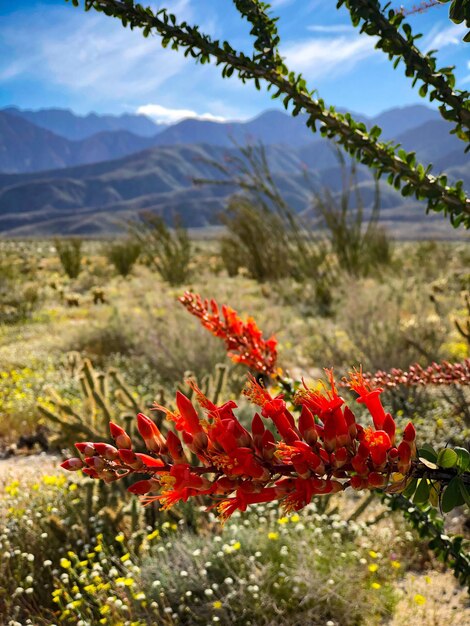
column 266, row 236
column 361, row 246
column 71, row 552
column 70, row 255
column 50, row 529
column 268, row 569
column 257, row 240
column 101, row 339
column 18, row 301
column 20, row 386
column 172, row 347
column 123, row 255
column 381, row 326
column 168, row 250
column 19, row 295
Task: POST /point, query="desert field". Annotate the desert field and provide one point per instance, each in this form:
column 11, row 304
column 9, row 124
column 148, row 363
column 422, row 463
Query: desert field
column 77, row 352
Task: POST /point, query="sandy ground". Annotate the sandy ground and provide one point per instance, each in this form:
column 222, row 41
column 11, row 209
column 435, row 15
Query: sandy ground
column 28, row 466
column 432, row 599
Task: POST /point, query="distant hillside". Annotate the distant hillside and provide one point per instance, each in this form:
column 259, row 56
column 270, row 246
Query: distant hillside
column 76, row 127
column 101, row 198
column 44, row 149
column 25, row 147
column 93, row 186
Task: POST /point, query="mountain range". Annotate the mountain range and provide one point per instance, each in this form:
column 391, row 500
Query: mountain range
column 66, row 174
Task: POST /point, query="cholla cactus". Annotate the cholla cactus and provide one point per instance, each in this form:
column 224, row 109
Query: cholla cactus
column 464, row 327
column 212, row 386
column 104, row 397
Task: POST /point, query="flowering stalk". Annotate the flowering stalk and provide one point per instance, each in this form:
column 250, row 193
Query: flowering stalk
column 244, row 340
column 444, row 373
column 324, row 451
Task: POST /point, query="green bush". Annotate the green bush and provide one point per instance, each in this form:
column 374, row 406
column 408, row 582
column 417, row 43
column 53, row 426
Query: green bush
column 123, row 255
column 257, row 240
column 70, row 255
column 266, row 236
column 168, row 250
column 361, row 246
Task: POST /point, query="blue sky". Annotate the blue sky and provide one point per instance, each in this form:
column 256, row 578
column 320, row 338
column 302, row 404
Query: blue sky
column 54, row 55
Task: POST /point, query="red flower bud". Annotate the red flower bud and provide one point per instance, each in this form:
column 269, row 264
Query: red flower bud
column 175, row 448
column 106, row 451
column 409, row 434
column 390, row 427
column 86, row 448
column 376, row 480
column 359, row 465
column 149, row 461
column 122, row 439
column 268, row 444
column 150, row 433
column 357, row 482
column 404, row 457
column 89, row 471
column 72, row 465
column 95, row 462
column 189, row 414
column 130, row 458
column 141, row 487
column 307, row 426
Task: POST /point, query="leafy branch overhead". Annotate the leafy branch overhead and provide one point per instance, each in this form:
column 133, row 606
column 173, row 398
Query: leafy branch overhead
column 396, row 39
column 266, row 65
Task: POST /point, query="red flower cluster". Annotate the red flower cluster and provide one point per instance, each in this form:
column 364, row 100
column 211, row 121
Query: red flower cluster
column 238, row 467
column 444, row 373
column 244, row 340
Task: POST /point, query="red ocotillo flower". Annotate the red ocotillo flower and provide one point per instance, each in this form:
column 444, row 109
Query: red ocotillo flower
column 244, row 340
column 237, row 467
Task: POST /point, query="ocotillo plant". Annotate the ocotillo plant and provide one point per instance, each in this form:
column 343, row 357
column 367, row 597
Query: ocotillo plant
column 323, row 451
column 330, row 453
column 265, row 64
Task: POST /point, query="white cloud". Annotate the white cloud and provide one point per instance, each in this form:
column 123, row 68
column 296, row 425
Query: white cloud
column 466, row 80
column 331, row 28
column 317, row 58
column 164, row 115
column 439, row 37
column 279, row 3
column 88, row 53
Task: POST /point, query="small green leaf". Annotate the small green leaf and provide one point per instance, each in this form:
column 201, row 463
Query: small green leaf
column 452, row 496
column 411, row 488
column 464, row 458
column 427, row 452
column 447, row 458
column 422, row 492
column 465, row 492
